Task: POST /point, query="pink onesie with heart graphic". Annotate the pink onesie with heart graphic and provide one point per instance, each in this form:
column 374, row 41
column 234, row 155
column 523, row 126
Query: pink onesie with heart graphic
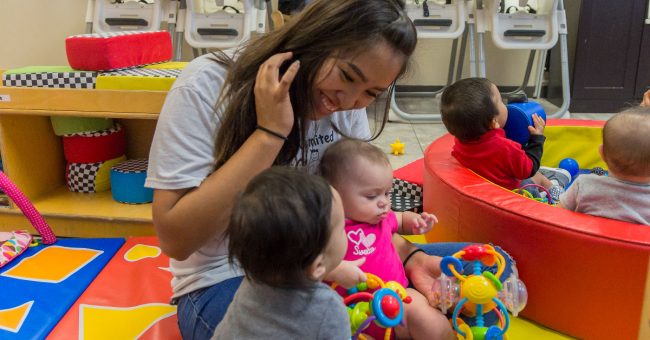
column 373, row 241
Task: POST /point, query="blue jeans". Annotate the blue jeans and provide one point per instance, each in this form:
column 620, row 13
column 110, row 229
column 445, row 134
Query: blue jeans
column 199, row 312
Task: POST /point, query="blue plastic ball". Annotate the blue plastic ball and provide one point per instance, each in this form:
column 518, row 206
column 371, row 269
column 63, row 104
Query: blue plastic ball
column 570, row 165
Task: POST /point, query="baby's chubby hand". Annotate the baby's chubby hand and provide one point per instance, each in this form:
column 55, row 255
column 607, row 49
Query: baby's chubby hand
column 539, row 123
column 419, row 224
column 348, row 274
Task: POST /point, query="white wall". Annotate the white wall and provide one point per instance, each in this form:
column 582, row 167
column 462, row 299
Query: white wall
column 431, row 64
column 33, row 32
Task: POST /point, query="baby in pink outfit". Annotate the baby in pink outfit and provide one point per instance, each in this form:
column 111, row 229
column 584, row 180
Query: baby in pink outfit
column 362, row 174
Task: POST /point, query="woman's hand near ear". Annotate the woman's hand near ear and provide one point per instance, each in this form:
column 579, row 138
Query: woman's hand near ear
column 272, row 101
column 208, row 205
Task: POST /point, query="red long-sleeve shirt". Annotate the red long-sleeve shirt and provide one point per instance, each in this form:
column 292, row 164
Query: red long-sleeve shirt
column 499, row 159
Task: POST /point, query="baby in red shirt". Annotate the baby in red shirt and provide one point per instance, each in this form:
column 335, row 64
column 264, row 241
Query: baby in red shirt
column 473, row 112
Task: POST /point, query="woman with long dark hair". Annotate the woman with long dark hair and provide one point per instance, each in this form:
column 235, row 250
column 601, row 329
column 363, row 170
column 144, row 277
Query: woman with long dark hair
column 280, row 99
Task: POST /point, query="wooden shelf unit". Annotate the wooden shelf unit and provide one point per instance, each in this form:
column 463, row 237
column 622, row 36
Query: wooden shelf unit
column 33, row 157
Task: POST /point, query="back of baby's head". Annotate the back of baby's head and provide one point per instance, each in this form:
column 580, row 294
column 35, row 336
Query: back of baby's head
column 279, row 225
column 467, row 108
column 338, row 161
column 626, row 142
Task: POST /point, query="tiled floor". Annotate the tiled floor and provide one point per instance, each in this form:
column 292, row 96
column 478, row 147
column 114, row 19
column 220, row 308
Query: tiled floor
column 418, row 135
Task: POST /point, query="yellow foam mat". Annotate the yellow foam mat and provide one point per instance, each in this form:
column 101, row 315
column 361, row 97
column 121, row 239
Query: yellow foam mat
column 522, row 329
column 115, row 82
column 157, row 77
column 569, row 141
column 168, row 65
column 416, row 238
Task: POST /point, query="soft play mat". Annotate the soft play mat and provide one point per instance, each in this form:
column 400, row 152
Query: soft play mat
column 39, row 287
column 129, row 299
column 586, row 276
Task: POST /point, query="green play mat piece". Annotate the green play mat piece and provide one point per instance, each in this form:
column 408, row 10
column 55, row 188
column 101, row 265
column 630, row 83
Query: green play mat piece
column 42, row 69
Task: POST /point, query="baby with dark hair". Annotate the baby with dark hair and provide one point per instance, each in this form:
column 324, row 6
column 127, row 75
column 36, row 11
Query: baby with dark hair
column 624, row 194
column 287, row 233
column 473, row 112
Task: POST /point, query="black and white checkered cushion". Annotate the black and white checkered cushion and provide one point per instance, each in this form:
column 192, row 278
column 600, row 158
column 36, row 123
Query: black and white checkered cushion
column 81, row 176
column 132, row 166
column 406, row 196
column 115, row 128
column 400, row 203
column 74, row 80
column 144, row 72
column 111, row 34
column 407, row 189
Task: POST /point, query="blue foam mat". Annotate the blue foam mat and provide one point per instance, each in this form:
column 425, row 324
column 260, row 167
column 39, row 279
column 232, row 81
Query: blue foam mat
column 51, row 300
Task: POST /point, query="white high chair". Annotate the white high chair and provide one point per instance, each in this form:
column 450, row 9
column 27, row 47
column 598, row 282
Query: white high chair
column 105, row 16
column 523, row 30
column 537, row 32
column 222, row 24
column 435, row 19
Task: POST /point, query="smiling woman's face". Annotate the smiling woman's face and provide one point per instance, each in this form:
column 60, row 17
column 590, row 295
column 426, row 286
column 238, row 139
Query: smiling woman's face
column 354, row 82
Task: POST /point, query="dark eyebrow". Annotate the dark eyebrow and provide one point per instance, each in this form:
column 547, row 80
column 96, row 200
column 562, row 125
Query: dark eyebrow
column 357, row 70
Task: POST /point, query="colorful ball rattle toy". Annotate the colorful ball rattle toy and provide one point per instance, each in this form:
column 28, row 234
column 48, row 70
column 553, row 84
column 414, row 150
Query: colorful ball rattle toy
column 383, row 306
column 514, row 293
column 526, row 193
column 478, row 293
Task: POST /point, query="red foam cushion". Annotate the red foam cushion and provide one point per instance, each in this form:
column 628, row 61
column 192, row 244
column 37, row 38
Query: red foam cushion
column 412, row 172
column 574, row 265
column 94, row 146
column 111, row 51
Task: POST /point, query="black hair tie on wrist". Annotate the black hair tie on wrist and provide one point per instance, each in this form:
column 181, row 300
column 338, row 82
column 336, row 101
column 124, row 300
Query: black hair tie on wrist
column 272, row 132
column 408, row 257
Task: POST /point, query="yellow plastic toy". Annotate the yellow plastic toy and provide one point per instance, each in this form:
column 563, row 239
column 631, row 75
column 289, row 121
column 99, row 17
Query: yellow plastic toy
column 397, row 147
column 478, row 292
